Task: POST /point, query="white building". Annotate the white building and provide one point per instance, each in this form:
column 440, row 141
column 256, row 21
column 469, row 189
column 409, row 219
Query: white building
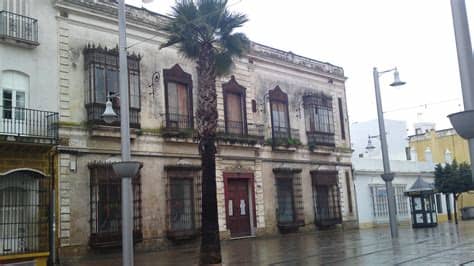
column 397, row 139
column 370, row 189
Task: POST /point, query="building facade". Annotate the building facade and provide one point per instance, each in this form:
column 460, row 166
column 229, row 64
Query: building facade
column 283, row 152
column 370, row 189
column 28, row 129
column 443, row 146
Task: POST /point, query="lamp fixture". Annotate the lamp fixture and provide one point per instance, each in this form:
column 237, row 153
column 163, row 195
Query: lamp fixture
column 396, row 79
column 109, row 114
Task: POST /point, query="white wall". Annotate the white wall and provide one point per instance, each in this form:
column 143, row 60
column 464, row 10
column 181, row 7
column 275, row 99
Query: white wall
column 397, row 138
column 367, row 172
column 39, row 63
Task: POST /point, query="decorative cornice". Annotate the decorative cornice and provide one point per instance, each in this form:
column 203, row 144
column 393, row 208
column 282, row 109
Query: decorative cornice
column 289, row 57
column 182, row 167
column 286, row 170
column 145, row 17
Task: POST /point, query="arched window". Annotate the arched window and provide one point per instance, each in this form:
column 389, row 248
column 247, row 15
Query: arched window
column 24, row 218
column 234, row 107
column 14, row 87
column 178, row 98
column 279, row 115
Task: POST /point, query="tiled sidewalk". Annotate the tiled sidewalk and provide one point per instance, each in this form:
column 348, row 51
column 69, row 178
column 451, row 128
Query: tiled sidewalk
column 442, row 245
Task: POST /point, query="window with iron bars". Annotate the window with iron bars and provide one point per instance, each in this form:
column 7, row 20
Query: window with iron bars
column 106, row 214
column 289, row 199
column 184, row 203
column 326, row 198
column 24, row 213
column 319, row 119
column 178, row 98
column 379, row 201
column 102, row 79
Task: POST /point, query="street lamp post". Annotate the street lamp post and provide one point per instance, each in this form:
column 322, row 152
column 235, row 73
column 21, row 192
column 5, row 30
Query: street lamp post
column 462, row 121
column 125, row 169
column 387, row 175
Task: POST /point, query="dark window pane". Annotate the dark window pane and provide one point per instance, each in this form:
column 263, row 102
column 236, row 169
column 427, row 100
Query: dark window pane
column 99, row 85
column 7, row 104
column 112, row 81
column 181, row 204
column 234, row 114
column 285, row 200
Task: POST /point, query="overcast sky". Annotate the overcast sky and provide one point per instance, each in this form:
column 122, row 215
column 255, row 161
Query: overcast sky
column 414, row 35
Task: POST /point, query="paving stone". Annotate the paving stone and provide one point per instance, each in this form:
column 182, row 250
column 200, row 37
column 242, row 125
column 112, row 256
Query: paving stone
column 446, row 244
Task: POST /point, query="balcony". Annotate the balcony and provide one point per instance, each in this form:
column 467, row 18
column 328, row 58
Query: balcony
column 237, row 132
column 179, row 126
column 18, row 29
column 282, row 138
column 95, row 111
column 28, row 125
column 320, row 139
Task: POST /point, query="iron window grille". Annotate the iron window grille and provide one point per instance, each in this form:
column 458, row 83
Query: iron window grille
column 326, row 198
column 106, row 214
column 183, row 195
column 380, row 205
column 290, row 211
column 18, row 28
column 102, row 75
column 24, row 213
column 235, row 111
column 319, row 119
column 279, row 116
column 178, row 98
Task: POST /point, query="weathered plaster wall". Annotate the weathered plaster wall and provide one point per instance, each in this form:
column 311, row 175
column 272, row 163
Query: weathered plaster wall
column 87, row 22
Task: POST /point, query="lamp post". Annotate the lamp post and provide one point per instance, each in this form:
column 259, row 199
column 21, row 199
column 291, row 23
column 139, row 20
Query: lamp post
column 387, row 175
column 125, row 169
column 462, row 121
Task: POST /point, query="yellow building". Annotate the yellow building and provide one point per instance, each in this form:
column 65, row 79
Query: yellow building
column 442, row 146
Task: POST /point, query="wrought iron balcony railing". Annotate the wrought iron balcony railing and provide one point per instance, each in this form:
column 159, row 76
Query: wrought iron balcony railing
column 178, row 121
column 235, row 127
column 18, row 28
column 238, row 132
column 29, row 124
column 95, row 111
column 321, row 139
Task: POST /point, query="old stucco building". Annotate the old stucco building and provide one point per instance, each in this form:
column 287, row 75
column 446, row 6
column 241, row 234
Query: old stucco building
column 283, row 155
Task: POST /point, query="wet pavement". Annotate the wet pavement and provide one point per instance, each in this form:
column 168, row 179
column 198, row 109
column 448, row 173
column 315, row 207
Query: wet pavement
column 446, row 244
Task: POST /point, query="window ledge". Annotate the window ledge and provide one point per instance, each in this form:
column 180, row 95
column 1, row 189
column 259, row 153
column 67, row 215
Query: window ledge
column 328, row 222
column 18, row 42
column 322, row 150
column 285, row 148
column 239, row 140
column 110, row 132
column 181, row 235
column 289, row 227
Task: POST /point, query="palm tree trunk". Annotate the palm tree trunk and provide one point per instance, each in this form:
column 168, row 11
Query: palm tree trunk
column 206, row 116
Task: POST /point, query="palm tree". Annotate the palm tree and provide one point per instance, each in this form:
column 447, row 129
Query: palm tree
column 203, row 32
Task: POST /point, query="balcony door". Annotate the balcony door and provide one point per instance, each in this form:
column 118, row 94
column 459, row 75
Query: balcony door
column 21, row 7
column 13, row 99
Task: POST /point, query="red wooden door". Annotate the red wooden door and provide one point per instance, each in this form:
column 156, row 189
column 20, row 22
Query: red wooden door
column 238, row 210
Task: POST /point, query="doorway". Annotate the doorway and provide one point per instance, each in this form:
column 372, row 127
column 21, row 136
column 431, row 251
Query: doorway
column 238, row 207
